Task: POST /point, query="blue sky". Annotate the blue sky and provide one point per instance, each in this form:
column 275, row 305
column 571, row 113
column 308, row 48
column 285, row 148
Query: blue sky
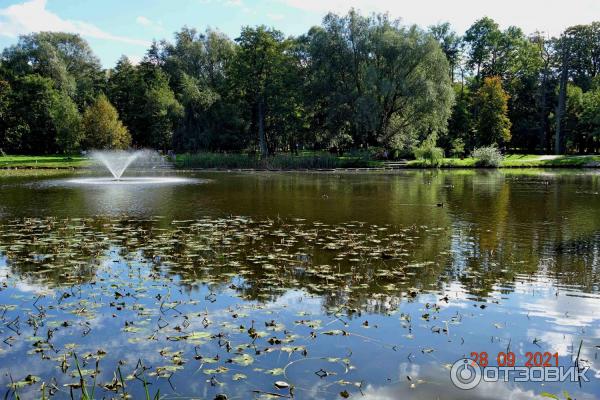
column 116, row 27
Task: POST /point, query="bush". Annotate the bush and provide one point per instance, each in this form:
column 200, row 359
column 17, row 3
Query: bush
column 217, row 160
column 285, row 161
column 428, row 152
column 488, row 156
column 278, row 161
column 458, row 147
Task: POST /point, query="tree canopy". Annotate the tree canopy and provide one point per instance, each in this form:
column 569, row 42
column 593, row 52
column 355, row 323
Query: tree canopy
column 354, row 81
column 103, row 128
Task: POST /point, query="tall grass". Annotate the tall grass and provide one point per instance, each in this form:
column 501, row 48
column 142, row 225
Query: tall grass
column 278, row 161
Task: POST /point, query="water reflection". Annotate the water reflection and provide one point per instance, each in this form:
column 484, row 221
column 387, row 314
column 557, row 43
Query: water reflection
column 379, row 280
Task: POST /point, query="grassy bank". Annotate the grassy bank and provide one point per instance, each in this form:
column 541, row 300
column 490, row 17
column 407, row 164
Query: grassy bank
column 43, row 162
column 327, row 161
column 519, row 161
column 304, row 161
column 276, row 162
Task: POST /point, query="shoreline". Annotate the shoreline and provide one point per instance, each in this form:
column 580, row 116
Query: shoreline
column 362, row 169
column 514, row 161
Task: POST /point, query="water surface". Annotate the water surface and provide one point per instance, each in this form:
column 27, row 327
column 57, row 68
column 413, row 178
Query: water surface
column 362, row 284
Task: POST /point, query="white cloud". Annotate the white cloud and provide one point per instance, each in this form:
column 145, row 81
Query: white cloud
column 550, row 16
column 235, row 3
column 229, row 3
column 32, row 16
column 143, row 21
column 275, row 17
column 148, row 23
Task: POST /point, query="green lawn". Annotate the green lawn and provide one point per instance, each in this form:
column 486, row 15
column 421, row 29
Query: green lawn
column 303, row 161
column 43, row 162
column 521, row 161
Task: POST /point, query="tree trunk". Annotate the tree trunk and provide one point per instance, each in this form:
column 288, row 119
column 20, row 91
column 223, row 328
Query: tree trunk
column 560, row 108
column 264, row 151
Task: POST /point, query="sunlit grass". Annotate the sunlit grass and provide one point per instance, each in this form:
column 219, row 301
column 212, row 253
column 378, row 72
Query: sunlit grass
column 54, row 161
column 304, row 160
column 519, row 161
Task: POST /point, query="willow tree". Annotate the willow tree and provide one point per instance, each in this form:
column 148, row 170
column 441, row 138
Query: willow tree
column 377, row 82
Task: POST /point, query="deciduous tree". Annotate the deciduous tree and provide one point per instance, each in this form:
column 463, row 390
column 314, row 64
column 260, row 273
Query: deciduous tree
column 102, row 127
column 493, row 124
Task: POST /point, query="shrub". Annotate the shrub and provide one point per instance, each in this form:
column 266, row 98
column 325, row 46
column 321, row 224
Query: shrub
column 216, row 160
column 247, row 161
column 428, row 152
column 458, row 147
column 488, row 156
column 285, row 161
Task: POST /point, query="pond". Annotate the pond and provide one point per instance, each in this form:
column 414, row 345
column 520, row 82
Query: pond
column 319, row 285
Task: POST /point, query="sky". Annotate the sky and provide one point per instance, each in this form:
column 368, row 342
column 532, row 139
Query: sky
column 126, row 27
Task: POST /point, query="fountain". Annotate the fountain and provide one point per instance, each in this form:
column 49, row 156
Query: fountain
column 117, row 163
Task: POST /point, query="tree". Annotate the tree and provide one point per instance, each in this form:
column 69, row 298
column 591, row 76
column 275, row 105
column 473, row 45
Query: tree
column 460, row 124
column 376, row 82
column 32, row 130
column 491, row 101
column 259, row 59
column 10, row 131
column 65, row 58
column 67, row 122
column 161, row 113
column 523, row 68
column 483, row 39
column 572, row 138
column 450, row 43
column 590, row 119
column 125, row 90
column 578, row 53
column 582, row 42
column 5, row 92
column 492, row 52
column 545, row 48
column 198, row 66
column 102, row 127
column 145, row 102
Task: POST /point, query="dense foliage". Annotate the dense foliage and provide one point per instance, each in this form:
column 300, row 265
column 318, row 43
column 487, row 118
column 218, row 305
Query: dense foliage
column 102, row 127
column 353, row 82
column 487, row 156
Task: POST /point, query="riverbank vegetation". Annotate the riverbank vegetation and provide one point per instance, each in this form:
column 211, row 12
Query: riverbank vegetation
column 311, row 161
column 306, row 160
column 354, row 82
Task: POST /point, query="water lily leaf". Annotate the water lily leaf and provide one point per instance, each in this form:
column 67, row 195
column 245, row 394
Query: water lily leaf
column 239, row 377
column 243, row 360
column 275, row 371
column 219, row 370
